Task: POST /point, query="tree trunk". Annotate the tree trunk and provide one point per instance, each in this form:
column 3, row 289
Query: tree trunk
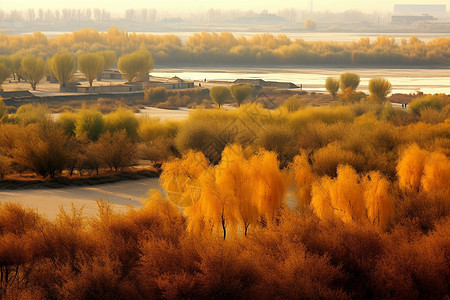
column 224, row 228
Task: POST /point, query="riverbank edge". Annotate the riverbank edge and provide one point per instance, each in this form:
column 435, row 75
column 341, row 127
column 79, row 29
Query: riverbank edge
column 63, row 181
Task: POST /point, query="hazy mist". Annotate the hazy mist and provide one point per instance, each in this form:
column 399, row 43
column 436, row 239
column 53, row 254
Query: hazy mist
column 117, row 6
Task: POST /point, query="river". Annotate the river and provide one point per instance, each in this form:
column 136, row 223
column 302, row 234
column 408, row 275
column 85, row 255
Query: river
column 407, row 80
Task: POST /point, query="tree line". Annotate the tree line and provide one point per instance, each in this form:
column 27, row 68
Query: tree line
column 63, row 65
column 226, row 48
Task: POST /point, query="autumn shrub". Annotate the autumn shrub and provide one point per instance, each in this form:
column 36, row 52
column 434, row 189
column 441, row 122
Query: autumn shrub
column 327, row 159
column 326, row 115
column 155, row 95
column 431, row 115
column 159, row 149
column 293, row 104
column 208, row 136
column 436, row 102
column 279, row 139
column 316, row 135
column 5, row 164
column 413, row 266
column 151, row 129
column 9, row 135
column 67, row 120
column 89, row 124
column 31, row 113
column 364, row 106
column 44, row 149
column 122, row 119
column 115, row 150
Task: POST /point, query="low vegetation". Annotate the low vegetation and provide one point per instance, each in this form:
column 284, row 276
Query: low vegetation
column 350, row 200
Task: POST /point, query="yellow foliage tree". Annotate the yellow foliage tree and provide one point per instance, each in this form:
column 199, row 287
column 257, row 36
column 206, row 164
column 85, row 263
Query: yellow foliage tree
column 63, row 66
column 341, row 197
column 180, row 178
column 236, row 191
column 234, row 177
column 379, row 203
column 304, row 177
column 436, row 175
column 379, row 89
column 32, row 69
column 269, row 183
column 136, row 65
column 91, row 65
column 410, row 168
column 240, row 92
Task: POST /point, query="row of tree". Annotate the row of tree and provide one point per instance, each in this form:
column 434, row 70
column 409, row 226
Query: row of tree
column 214, row 48
column 62, row 66
column 379, row 88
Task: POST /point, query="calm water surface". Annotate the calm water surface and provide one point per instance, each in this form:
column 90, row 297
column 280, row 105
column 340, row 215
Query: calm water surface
column 429, row 81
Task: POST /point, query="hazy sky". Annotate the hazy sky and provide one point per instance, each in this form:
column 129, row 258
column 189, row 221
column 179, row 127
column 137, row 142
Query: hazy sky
column 183, row 5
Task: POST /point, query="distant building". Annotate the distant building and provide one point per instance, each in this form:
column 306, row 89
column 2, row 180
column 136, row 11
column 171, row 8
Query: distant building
column 261, row 82
column 110, row 74
column 420, row 9
column 173, row 83
column 119, row 88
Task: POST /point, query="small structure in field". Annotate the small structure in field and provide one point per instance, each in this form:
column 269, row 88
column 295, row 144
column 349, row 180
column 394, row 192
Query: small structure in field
column 117, row 88
column 109, row 74
column 263, row 83
column 173, row 83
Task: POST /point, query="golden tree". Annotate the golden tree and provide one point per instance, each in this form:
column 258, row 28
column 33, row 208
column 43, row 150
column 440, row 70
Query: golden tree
column 349, row 80
column 63, row 66
column 410, row 168
column 240, row 92
column 304, row 177
column 341, row 197
column 32, row 69
column 91, row 65
column 135, row 66
column 379, row 89
column 110, row 58
column 436, row 175
column 269, row 187
column 377, row 199
column 332, row 86
column 234, row 177
column 219, row 94
column 180, row 178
